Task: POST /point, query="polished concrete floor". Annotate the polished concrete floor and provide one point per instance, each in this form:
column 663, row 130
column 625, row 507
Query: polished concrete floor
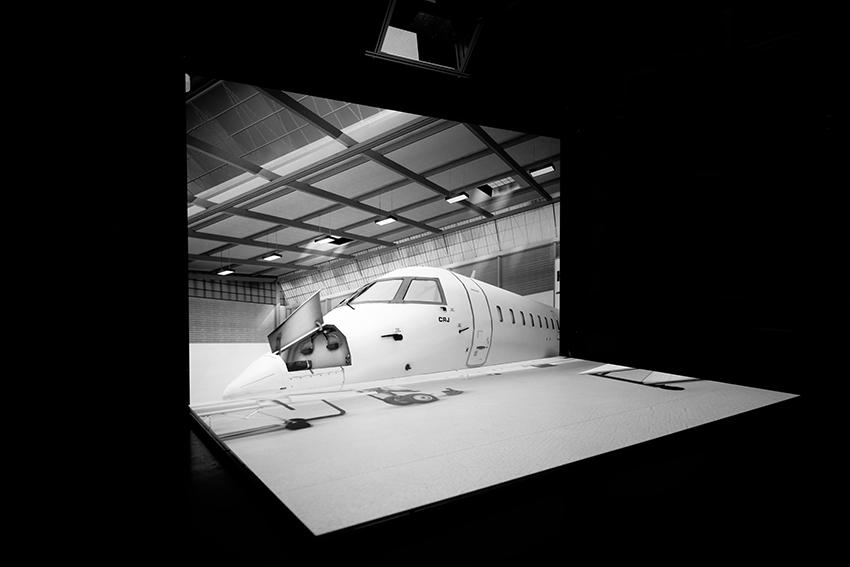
column 378, row 460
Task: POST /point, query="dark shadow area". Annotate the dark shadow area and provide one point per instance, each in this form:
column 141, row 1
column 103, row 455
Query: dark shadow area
column 696, row 143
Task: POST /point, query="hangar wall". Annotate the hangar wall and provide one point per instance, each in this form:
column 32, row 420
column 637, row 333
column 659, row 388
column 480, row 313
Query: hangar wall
column 527, row 239
column 218, row 321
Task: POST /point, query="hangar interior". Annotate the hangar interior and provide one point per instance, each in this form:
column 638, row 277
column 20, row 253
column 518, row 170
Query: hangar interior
column 290, row 192
column 644, row 251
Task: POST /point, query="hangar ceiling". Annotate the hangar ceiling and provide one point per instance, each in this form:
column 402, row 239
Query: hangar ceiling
column 273, row 171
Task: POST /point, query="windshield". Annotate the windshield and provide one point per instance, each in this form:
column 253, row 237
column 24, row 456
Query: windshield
column 381, row 290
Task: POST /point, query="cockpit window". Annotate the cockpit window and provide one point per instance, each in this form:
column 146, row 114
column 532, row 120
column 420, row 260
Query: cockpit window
column 423, row 291
column 381, row 290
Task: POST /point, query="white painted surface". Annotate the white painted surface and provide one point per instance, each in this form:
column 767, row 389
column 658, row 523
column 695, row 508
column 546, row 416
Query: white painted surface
column 379, row 459
column 401, row 42
column 212, row 366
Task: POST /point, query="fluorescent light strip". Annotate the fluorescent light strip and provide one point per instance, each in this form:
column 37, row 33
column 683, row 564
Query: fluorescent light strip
column 387, row 220
column 457, row 198
column 225, row 272
column 543, row 170
column 273, row 256
column 324, row 240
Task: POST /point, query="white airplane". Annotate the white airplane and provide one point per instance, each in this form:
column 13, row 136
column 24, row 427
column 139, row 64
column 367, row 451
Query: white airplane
column 411, row 325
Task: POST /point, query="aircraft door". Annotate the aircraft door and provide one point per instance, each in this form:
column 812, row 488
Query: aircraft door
column 482, row 324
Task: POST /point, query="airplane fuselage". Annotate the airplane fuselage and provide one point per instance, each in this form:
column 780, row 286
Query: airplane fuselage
column 416, row 321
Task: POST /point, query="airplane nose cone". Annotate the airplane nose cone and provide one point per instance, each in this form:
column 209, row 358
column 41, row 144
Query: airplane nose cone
column 264, row 375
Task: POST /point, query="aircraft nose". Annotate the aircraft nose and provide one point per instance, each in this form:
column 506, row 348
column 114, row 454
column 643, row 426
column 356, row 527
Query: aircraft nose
column 264, row 375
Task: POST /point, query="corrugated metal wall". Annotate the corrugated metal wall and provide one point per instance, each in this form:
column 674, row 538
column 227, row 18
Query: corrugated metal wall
column 529, row 271
column 218, row 321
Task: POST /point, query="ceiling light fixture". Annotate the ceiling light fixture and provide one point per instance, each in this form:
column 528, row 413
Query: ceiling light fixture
column 273, row 256
column 226, row 271
column 387, row 220
column 457, row 198
column 328, row 239
column 548, row 168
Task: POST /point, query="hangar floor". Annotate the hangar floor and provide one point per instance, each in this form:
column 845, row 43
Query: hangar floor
column 378, row 459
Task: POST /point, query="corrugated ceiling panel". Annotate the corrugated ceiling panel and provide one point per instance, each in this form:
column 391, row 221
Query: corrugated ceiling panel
column 284, row 164
column 403, row 196
column 377, row 124
column 438, row 149
column 199, row 246
column 475, row 172
column 359, row 180
column 237, row 227
column 251, row 114
column 239, row 91
column 243, row 252
column 430, row 210
column 341, row 218
column 199, row 266
column 289, row 257
column 272, row 147
column 212, row 102
column 500, row 135
column 249, row 270
column 194, row 210
column 193, row 117
column 293, row 205
column 533, row 150
column 371, row 229
column 248, row 185
column 404, row 233
column 289, row 236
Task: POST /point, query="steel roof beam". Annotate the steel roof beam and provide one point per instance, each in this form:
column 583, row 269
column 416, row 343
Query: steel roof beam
column 374, row 193
column 500, row 151
column 353, row 151
column 430, row 200
column 309, row 116
column 228, row 261
column 357, row 205
column 263, row 244
column 283, row 223
column 255, row 278
column 434, row 171
column 420, row 179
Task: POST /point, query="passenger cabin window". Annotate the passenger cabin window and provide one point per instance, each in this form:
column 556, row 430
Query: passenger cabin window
column 552, row 322
column 521, row 314
column 381, row 290
column 531, row 316
column 513, row 319
column 499, row 310
column 558, row 323
column 546, row 322
column 424, row 291
column 538, row 322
